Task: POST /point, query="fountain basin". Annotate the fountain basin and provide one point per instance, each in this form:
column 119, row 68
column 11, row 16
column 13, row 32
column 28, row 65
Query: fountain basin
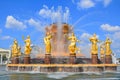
column 61, row 67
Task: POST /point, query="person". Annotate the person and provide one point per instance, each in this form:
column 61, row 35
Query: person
column 94, row 47
column 27, row 46
column 108, row 50
column 14, row 49
column 47, row 41
column 72, row 47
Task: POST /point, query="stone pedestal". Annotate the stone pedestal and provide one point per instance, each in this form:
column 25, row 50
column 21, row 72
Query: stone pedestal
column 108, row 59
column 26, row 59
column 15, row 60
column 47, row 59
column 94, row 59
column 72, row 58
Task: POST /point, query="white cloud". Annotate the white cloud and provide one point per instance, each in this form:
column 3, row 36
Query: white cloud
column 116, row 36
column 33, row 22
column 106, row 2
column 85, row 35
column 37, row 24
column 110, row 28
column 11, row 22
column 6, row 38
column 84, row 4
column 45, row 12
column 116, row 42
column 55, row 14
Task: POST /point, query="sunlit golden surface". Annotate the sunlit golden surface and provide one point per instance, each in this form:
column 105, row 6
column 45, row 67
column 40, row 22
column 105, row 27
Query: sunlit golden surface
column 62, row 65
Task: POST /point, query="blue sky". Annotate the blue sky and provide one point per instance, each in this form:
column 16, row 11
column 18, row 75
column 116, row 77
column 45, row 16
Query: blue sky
column 29, row 17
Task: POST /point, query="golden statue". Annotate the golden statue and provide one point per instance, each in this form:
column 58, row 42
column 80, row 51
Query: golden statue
column 19, row 51
column 47, row 41
column 27, row 46
column 14, row 49
column 94, row 48
column 102, row 50
column 108, row 50
column 72, row 47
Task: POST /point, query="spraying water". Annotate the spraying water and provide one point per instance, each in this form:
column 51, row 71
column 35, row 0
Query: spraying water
column 59, row 31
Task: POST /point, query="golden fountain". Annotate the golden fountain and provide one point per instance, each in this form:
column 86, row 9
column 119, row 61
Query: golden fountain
column 61, row 54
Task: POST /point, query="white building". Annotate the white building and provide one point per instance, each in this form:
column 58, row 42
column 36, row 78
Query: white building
column 4, row 56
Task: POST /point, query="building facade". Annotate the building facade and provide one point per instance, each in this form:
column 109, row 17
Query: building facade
column 5, row 55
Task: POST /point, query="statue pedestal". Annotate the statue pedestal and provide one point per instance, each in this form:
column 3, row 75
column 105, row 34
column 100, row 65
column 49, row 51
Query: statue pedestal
column 94, row 59
column 15, row 60
column 72, row 58
column 47, row 59
column 108, row 59
column 26, row 59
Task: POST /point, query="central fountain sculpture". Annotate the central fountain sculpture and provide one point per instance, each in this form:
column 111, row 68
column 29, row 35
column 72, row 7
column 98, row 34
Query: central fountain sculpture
column 59, row 40
column 58, row 43
column 61, row 53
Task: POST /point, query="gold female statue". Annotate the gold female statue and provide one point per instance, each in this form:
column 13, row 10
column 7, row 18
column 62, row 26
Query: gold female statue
column 102, row 49
column 14, row 49
column 108, row 50
column 72, row 47
column 94, row 47
column 27, row 46
column 48, row 42
column 19, row 51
